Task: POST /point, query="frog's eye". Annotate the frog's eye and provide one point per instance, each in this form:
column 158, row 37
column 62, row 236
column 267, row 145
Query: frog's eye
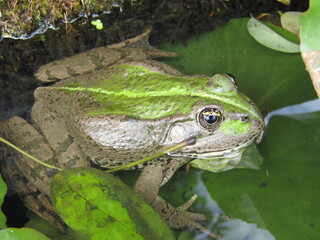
column 209, row 118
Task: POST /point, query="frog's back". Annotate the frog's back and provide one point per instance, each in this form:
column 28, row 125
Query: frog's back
column 143, row 91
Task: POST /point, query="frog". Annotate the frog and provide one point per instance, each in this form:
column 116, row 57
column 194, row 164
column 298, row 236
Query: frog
column 112, row 105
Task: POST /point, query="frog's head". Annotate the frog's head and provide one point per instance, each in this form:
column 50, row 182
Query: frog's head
column 224, row 125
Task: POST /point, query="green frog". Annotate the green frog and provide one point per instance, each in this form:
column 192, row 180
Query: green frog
column 113, row 105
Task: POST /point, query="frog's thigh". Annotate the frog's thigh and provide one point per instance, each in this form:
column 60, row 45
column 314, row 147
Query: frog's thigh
column 26, row 137
column 55, row 131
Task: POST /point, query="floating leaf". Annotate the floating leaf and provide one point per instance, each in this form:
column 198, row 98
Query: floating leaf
column 98, row 24
column 98, row 204
column 310, row 44
column 269, row 38
column 21, row 234
column 310, row 25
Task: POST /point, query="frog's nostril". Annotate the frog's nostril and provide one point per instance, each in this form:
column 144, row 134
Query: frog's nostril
column 244, row 119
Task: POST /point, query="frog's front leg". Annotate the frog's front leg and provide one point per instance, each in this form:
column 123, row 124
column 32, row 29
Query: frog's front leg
column 148, row 184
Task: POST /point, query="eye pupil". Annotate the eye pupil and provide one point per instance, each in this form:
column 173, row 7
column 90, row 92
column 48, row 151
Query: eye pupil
column 210, row 118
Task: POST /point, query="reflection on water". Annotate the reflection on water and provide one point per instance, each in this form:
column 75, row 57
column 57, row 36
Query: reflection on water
column 232, row 229
column 238, row 230
column 306, row 107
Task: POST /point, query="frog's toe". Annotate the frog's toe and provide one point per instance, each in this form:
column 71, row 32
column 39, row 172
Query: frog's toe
column 188, row 204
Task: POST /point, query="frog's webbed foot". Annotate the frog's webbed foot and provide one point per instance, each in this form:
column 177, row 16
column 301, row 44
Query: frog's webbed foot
column 178, row 217
column 148, row 185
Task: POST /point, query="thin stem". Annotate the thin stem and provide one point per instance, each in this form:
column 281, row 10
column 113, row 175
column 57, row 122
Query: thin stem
column 143, row 160
column 28, row 155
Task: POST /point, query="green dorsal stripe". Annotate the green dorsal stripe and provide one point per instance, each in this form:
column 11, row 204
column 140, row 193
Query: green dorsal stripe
column 172, row 92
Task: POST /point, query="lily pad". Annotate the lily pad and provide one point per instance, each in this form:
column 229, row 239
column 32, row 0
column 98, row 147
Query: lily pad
column 97, row 204
column 309, row 32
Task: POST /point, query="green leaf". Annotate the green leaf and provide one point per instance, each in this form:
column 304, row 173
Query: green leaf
column 21, row 234
column 3, row 191
column 310, row 25
column 98, row 204
column 98, row 24
column 269, row 38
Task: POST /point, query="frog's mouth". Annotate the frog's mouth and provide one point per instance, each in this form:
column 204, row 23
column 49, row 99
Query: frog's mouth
column 217, row 154
column 213, row 154
column 217, row 161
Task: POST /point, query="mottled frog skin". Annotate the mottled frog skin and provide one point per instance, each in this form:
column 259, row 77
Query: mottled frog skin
column 114, row 105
